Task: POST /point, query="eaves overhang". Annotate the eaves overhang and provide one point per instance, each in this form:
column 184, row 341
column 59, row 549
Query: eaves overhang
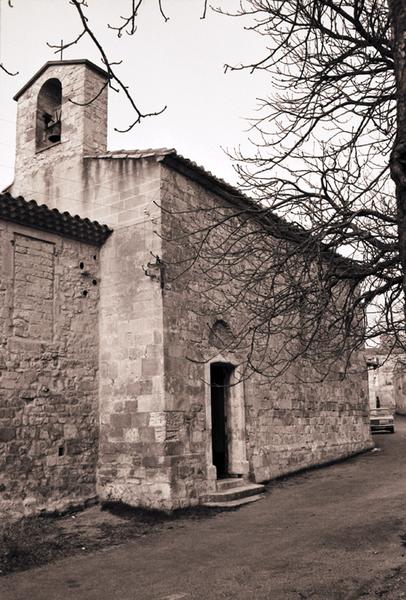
column 30, row 214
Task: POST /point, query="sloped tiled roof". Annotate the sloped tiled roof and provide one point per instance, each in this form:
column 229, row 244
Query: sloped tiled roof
column 29, row 213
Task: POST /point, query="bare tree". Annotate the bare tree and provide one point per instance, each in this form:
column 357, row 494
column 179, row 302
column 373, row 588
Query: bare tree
column 326, row 143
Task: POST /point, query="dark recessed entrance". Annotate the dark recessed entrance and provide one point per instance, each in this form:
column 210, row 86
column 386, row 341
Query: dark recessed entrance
column 219, row 384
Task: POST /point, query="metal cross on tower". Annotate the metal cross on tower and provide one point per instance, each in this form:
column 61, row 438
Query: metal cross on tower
column 60, row 51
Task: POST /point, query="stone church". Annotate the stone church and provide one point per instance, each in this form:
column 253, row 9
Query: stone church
column 98, row 395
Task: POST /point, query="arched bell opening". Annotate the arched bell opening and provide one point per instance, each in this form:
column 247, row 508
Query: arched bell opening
column 48, row 118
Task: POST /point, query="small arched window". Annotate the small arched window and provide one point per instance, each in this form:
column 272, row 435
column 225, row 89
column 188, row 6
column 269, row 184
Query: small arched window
column 48, row 122
column 220, row 335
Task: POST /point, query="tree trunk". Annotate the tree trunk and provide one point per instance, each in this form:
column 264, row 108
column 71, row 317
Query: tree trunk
column 397, row 10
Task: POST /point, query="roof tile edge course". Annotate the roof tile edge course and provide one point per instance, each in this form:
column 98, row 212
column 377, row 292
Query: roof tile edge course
column 157, row 153
column 30, row 214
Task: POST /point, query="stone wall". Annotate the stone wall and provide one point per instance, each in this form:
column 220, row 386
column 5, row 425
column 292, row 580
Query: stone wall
column 49, row 295
column 294, row 426
column 132, row 455
column 279, row 427
column 125, row 195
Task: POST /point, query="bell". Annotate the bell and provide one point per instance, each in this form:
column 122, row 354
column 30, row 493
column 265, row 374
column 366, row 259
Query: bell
column 54, row 132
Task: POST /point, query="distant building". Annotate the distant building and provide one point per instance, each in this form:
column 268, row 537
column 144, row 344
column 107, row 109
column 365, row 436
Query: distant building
column 100, row 395
column 387, row 377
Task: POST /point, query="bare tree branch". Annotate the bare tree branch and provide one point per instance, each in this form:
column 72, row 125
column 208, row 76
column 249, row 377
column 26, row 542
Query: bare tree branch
column 128, row 25
column 321, row 162
column 204, row 9
column 103, row 87
column 3, row 68
column 128, row 21
column 64, row 46
column 162, row 12
column 113, row 77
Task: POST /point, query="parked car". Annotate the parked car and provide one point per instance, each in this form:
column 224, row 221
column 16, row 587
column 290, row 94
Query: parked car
column 381, row 419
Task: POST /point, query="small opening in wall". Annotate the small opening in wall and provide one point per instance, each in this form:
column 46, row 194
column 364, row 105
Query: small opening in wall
column 61, row 450
column 94, row 257
column 85, row 293
column 81, row 265
column 94, row 281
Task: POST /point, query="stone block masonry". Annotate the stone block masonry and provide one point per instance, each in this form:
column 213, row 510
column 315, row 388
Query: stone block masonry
column 49, row 295
column 274, row 427
column 132, row 463
column 33, row 298
column 292, row 427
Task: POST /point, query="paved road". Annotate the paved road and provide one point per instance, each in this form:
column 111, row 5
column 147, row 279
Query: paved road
column 324, row 535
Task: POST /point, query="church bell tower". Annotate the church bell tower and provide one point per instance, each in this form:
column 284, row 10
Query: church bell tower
column 61, row 118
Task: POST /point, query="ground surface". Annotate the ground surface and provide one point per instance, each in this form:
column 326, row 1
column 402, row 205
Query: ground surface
column 35, row 541
column 332, row 534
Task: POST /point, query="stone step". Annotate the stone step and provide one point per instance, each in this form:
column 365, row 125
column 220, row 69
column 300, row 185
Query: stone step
column 235, row 493
column 230, row 482
column 234, row 503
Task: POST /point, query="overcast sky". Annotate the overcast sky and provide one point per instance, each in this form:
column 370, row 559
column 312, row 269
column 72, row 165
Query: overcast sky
column 179, row 64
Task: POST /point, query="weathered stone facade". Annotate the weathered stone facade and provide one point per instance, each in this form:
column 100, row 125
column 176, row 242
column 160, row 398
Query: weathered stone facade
column 274, row 426
column 125, row 388
column 49, row 363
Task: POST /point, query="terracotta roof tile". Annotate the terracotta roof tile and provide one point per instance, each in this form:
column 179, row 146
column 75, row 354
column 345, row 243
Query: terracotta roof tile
column 31, row 214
